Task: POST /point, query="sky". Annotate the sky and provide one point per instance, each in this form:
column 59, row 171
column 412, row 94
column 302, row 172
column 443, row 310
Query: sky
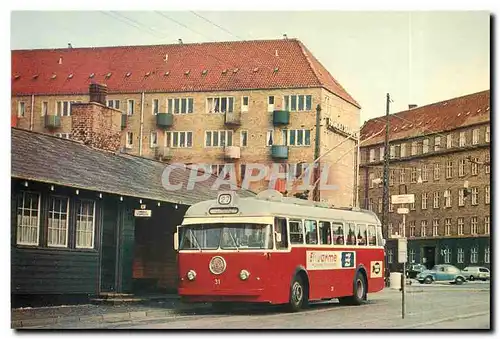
column 418, row 57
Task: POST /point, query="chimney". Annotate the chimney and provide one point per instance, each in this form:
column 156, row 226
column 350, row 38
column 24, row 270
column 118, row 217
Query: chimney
column 98, row 93
column 94, row 123
column 412, row 106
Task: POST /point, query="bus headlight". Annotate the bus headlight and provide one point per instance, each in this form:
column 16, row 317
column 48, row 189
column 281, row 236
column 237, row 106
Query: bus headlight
column 191, row 275
column 244, row 274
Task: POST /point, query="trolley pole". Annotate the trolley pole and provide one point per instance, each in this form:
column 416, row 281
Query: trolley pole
column 317, row 168
column 385, row 201
column 403, row 279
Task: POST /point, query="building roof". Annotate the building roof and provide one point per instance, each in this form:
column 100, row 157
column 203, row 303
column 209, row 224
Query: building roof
column 45, row 158
column 437, row 117
column 163, row 68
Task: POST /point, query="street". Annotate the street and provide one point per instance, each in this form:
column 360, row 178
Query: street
column 427, row 307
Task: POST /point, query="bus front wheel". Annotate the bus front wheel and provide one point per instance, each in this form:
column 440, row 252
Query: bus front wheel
column 298, row 295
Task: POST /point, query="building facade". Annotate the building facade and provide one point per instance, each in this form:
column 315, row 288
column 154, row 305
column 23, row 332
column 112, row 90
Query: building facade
column 222, row 103
column 441, row 154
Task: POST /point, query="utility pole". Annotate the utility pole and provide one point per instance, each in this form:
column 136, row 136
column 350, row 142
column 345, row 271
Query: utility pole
column 317, row 171
column 385, row 202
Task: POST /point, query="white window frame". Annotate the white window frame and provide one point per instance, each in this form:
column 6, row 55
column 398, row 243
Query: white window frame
column 425, row 146
column 487, row 255
column 487, row 167
column 390, row 256
column 435, row 227
column 382, row 153
column 389, row 229
column 413, row 175
column 423, row 228
column 447, row 255
column 185, row 105
column 462, row 139
column 372, row 155
column 45, row 108
column 78, row 215
column 474, row 196
column 449, row 140
column 460, row 225
column 113, row 103
column 379, row 205
column 129, row 140
column 287, row 102
column 424, row 200
column 425, row 172
column 244, row 133
column 295, row 133
column 437, row 143
column 412, row 255
column 449, row 169
column 224, row 138
column 391, row 208
column 460, row 255
column 155, row 106
column 487, row 194
column 402, row 173
column 392, row 177
column 475, row 136
column 461, row 167
column 412, row 228
column 473, row 226
column 402, row 150
column 61, row 110
column 414, row 148
column 435, row 201
column 370, row 205
column 244, row 108
column 487, row 224
column 214, row 104
column 447, row 226
column 474, row 255
column 487, row 134
column 371, row 177
column 130, row 107
column 474, row 169
column 270, row 138
column 28, row 227
column 65, row 227
column 447, row 198
column 21, row 109
column 437, row 172
column 461, row 198
column 270, row 106
column 170, row 137
column 392, row 152
column 153, row 139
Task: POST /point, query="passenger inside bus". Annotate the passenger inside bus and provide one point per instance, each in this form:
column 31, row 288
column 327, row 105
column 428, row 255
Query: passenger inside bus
column 338, row 234
column 351, row 237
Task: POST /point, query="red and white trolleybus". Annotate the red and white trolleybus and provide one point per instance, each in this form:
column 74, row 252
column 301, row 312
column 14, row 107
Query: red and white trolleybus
column 278, row 250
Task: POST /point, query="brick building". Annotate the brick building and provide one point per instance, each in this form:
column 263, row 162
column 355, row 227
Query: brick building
column 435, row 151
column 214, row 103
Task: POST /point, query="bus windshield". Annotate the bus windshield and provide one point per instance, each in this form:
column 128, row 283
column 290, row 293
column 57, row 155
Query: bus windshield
column 240, row 236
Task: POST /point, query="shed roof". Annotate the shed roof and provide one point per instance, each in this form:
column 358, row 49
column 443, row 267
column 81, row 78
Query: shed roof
column 45, row 158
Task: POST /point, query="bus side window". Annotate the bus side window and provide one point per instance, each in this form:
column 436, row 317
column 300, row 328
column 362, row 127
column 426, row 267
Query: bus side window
column 351, row 235
column 361, row 234
column 311, row 231
column 338, row 234
column 280, row 228
column 296, row 232
column 372, row 240
column 325, row 234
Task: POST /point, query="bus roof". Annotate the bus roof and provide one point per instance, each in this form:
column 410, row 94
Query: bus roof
column 274, row 204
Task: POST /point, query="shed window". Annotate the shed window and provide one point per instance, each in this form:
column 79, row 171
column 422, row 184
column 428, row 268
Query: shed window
column 58, row 222
column 85, row 224
column 28, row 218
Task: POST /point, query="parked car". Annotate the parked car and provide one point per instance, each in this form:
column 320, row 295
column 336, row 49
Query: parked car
column 441, row 273
column 414, row 269
column 476, row 272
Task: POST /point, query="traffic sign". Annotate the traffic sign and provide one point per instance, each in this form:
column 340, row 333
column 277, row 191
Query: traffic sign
column 402, row 250
column 403, row 199
column 403, row 210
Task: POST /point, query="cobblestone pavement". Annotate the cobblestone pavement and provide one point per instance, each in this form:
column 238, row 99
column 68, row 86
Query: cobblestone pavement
column 427, row 307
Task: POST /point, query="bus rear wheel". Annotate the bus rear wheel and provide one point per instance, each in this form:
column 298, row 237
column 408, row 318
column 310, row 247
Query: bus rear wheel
column 298, row 295
column 359, row 292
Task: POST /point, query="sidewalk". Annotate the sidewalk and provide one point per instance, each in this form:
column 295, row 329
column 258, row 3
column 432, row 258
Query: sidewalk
column 147, row 309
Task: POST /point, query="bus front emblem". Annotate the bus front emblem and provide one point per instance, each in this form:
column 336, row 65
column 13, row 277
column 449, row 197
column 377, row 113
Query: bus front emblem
column 217, row 265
